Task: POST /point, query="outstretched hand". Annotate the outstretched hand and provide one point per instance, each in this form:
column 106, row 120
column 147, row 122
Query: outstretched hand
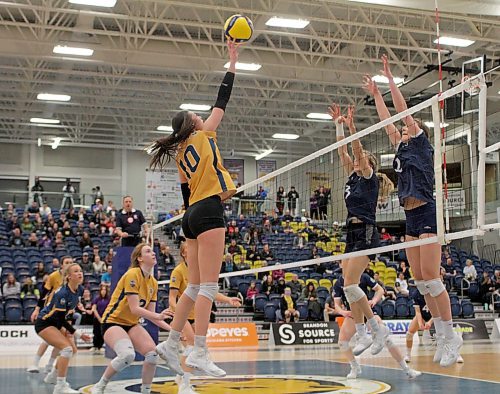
column 387, row 68
column 350, row 118
column 334, row 112
column 370, row 86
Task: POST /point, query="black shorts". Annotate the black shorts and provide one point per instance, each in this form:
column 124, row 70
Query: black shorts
column 361, row 236
column 202, row 216
column 41, row 325
column 421, row 220
column 106, row 326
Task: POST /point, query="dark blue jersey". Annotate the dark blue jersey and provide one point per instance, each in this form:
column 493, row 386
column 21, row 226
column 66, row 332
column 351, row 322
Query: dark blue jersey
column 419, row 300
column 361, row 197
column 365, row 283
column 61, row 307
column 414, row 164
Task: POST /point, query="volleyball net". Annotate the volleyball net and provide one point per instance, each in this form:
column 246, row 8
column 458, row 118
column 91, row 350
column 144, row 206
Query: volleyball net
column 307, row 225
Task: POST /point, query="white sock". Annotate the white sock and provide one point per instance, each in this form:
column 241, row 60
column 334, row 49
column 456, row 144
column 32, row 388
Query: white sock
column 438, row 325
column 361, row 329
column 36, row 361
column 51, row 362
column 373, row 323
column 354, row 363
column 103, row 381
column 186, row 378
column 174, row 337
column 448, row 329
column 408, row 351
column 403, row 364
column 61, row 380
column 200, row 341
column 146, row 387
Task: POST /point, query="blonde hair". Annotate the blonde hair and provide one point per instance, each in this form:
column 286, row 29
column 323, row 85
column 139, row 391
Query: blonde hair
column 371, row 159
column 134, row 259
column 182, row 250
column 386, row 187
column 66, row 272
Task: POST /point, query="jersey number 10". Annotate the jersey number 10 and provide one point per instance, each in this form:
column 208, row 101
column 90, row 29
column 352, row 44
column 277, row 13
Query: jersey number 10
column 190, row 161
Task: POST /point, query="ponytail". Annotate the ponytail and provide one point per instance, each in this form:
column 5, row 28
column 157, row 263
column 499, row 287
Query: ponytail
column 165, row 149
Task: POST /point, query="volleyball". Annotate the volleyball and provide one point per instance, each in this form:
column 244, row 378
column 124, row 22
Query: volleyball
column 238, row 28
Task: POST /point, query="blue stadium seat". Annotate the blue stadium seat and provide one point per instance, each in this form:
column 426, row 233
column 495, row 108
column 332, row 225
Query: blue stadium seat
column 322, row 292
column 388, row 309
column 275, row 299
column 27, row 313
column 14, row 313
column 303, row 311
column 467, row 309
column 377, row 309
column 243, row 286
column 270, row 312
column 260, row 302
column 402, row 309
column 456, row 310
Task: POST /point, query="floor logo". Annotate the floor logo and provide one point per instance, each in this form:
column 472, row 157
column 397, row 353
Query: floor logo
column 263, row 384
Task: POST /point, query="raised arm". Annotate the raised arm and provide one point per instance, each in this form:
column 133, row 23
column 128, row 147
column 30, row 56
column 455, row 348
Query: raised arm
column 225, row 89
column 383, row 112
column 339, row 120
column 357, row 148
column 398, row 99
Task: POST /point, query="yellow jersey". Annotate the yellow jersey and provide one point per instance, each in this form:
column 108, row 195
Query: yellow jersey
column 54, row 282
column 200, row 162
column 132, row 282
column 179, row 281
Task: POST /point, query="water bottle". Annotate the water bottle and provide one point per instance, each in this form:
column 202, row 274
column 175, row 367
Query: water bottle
column 485, row 306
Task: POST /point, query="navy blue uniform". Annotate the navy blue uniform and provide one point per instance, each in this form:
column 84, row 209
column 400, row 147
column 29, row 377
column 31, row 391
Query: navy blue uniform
column 365, row 283
column 130, row 222
column 59, row 311
column 419, row 300
column 414, row 164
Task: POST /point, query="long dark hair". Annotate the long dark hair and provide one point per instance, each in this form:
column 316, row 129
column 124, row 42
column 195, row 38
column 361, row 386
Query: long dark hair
column 165, row 149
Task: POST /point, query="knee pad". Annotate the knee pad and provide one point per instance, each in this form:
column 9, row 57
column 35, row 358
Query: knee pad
column 192, row 291
column 344, row 345
column 353, row 293
column 151, row 357
column 421, row 287
column 435, row 287
column 125, row 355
column 209, row 290
column 67, row 352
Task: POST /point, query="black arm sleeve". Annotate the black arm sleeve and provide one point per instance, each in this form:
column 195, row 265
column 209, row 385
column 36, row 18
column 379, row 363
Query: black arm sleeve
column 43, row 295
column 225, row 91
column 67, row 325
column 185, row 194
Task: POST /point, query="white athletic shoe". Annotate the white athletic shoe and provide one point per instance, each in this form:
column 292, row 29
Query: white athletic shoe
column 64, row 388
column 362, row 343
column 451, row 350
column 412, row 373
column 200, row 359
column 98, row 388
column 379, row 339
column 408, row 358
column 145, row 390
column 460, row 359
column 171, row 355
column 439, row 349
column 33, row 369
column 51, row 377
column 186, row 389
column 178, row 380
column 355, row 371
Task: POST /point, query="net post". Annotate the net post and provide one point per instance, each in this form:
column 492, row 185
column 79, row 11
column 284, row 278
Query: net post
column 438, row 170
column 481, row 145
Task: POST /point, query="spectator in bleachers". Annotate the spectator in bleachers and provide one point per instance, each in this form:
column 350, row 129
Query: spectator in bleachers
column 277, row 274
column 242, row 222
column 86, row 241
column 329, row 311
column 267, row 254
column 58, row 241
column 286, row 217
column 55, row 264
column 486, row 288
column 384, row 235
column 314, row 253
column 86, row 264
column 402, row 285
column 82, row 215
column 450, row 273
column 106, row 277
column 387, row 293
column 252, row 237
column 267, row 228
column 16, row 240
column 165, row 257
column 444, row 256
column 45, row 242
column 11, row 287
column 470, row 272
column 26, row 225
column 260, row 196
column 280, row 285
column 109, row 256
column 45, row 210
column 253, row 254
column 98, row 266
column 80, row 229
column 313, row 207
column 72, row 215
column 404, row 269
column 293, row 197
column 236, row 235
column 268, row 286
column 32, row 240
column 280, row 200
column 230, row 228
column 110, row 208
column 310, row 296
column 228, row 264
column 233, row 248
column 29, row 288
column 289, row 306
column 99, row 305
column 87, row 313
column 95, row 250
column 40, row 271
column 319, row 268
column 287, row 228
column 38, row 223
column 322, row 196
column 300, row 241
column 66, row 230
column 252, row 291
column 337, row 250
column 295, row 286
column 33, row 208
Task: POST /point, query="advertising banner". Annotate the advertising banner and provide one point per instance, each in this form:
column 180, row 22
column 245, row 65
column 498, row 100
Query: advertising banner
column 304, row 333
column 232, row 335
column 236, row 168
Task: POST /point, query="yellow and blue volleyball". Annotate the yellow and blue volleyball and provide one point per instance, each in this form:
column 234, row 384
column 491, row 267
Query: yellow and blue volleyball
column 238, row 28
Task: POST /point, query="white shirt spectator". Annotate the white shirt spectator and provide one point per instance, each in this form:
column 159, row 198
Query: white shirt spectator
column 402, row 286
column 99, row 266
column 45, row 210
column 470, row 272
column 14, row 289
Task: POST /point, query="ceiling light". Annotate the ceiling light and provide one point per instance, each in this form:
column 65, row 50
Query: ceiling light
column 56, row 142
column 97, row 3
column 39, row 142
column 195, row 107
column 452, row 41
column 245, row 66
column 276, row 21
column 430, row 125
column 384, row 79
column 165, row 128
column 263, row 154
column 53, row 97
column 66, row 50
column 45, row 121
column 316, row 115
column 280, row 136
